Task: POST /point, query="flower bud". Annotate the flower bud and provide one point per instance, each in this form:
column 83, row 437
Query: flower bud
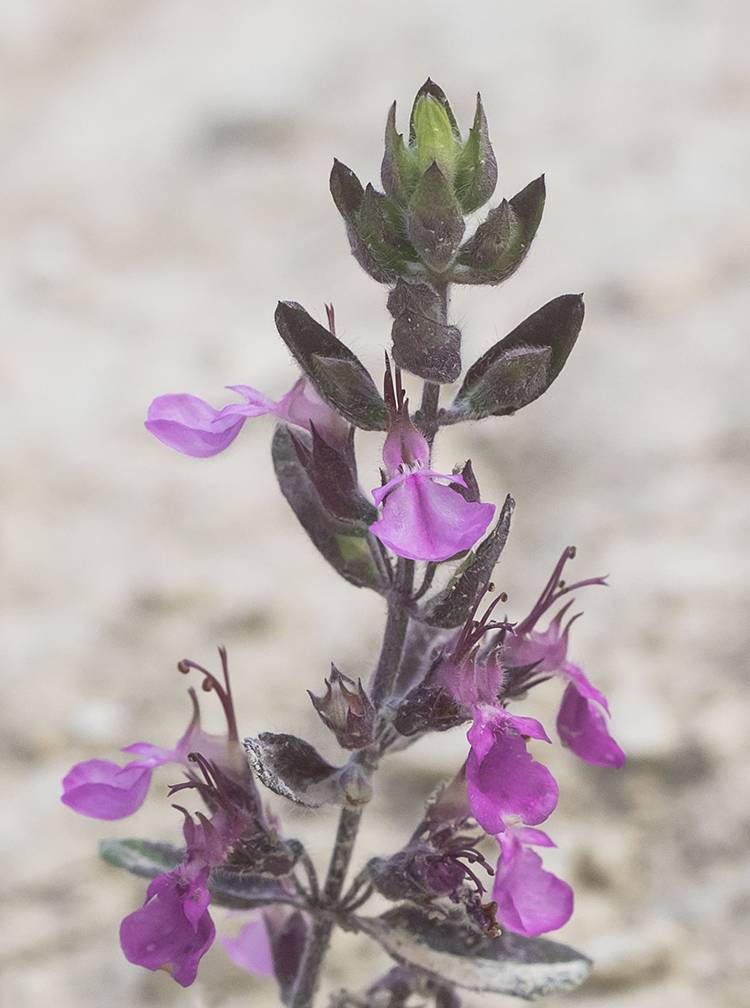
column 469, row 166
column 434, row 134
column 347, row 710
column 354, row 781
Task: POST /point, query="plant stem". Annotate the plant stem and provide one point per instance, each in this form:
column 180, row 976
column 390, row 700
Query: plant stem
column 317, row 946
column 383, row 679
column 395, row 632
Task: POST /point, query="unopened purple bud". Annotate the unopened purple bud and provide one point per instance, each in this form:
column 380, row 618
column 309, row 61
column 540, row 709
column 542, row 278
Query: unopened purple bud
column 347, row 710
column 394, row 989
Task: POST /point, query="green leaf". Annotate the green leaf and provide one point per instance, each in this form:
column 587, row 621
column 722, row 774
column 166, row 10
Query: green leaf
column 239, row 890
column 507, row 964
column 422, row 342
column 434, row 92
column 522, row 366
column 380, row 227
column 435, row 221
column 337, row 373
column 476, row 167
column 348, row 194
column 345, row 545
column 399, row 171
column 346, row 190
column 451, row 607
column 141, row 857
column 500, row 244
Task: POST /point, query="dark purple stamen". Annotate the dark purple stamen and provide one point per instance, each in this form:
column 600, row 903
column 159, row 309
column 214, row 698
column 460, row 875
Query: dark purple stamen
column 473, row 630
column 554, row 590
column 212, row 684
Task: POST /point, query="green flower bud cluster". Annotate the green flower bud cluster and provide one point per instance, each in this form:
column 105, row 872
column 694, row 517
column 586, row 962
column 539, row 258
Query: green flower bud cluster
column 414, row 228
column 412, row 237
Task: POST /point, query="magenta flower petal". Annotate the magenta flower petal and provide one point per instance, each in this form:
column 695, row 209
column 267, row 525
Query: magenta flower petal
column 424, row 520
column 531, row 837
column 583, row 729
column 469, row 681
column 503, row 778
column 251, row 949
column 530, row 901
column 103, row 790
column 577, row 676
column 256, row 403
column 173, row 928
column 304, row 407
column 154, row 755
column 192, row 426
column 488, row 718
column 545, row 649
column 404, row 444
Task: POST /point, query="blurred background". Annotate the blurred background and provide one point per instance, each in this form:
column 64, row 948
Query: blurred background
column 164, row 182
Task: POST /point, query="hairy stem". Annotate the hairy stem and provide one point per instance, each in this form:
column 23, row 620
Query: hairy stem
column 330, row 898
column 394, row 634
column 317, row 946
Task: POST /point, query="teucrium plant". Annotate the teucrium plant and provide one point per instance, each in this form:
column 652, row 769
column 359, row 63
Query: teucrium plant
column 425, row 541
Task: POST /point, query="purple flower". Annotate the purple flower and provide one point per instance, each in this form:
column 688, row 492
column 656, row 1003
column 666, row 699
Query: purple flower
column 537, row 655
column 503, row 778
column 422, row 519
column 251, row 949
column 173, row 929
column 440, row 860
column 581, row 725
column 193, row 427
column 469, row 678
column 271, row 944
column 530, row 901
column 104, row 790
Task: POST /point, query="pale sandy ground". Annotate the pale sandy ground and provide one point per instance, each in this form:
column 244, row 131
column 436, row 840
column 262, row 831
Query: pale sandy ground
column 164, row 182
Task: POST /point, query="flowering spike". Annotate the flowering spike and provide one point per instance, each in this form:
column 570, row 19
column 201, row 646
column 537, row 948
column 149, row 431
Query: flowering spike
column 446, row 658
